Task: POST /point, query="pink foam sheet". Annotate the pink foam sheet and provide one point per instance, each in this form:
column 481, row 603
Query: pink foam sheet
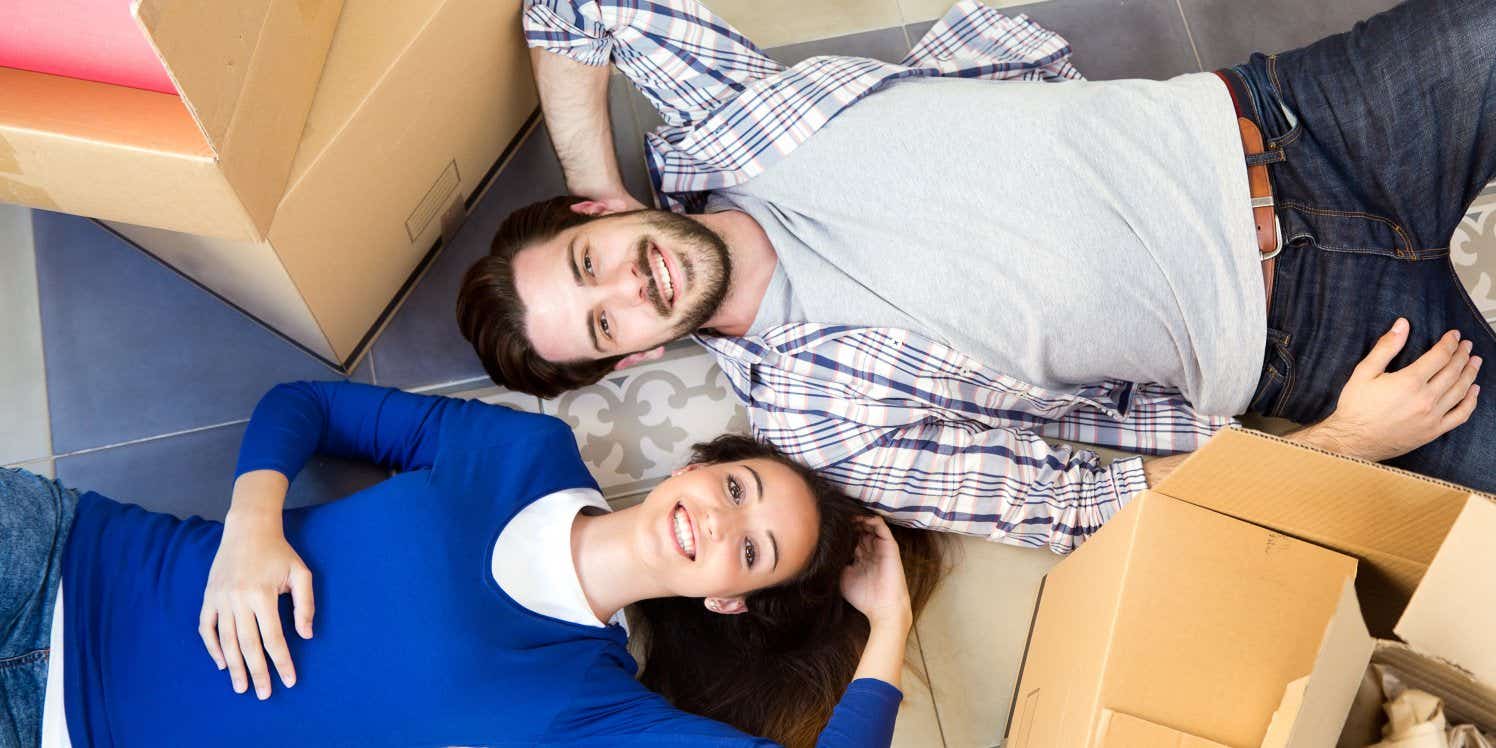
column 95, row 40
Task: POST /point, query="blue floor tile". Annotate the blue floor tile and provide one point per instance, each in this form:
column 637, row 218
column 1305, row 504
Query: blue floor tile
column 194, row 474
column 135, row 350
column 1229, row 31
column 1113, row 39
column 422, row 345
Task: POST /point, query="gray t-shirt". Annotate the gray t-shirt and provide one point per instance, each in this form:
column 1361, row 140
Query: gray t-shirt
column 1062, row 233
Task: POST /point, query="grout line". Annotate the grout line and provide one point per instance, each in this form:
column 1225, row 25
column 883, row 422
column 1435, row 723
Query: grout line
column 157, row 437
column 373, row 370
column 929, row 684
column 1189, row 34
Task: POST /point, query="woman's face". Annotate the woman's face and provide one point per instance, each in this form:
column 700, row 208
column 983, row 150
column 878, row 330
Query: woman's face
column 724, row 530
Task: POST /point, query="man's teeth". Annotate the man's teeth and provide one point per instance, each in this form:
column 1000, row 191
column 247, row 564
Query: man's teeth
column 662, row 271
column 683, row 533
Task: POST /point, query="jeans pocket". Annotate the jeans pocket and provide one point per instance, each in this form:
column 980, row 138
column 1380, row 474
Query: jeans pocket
column 1275, row 384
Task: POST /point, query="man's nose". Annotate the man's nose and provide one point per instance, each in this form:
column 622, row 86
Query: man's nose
column 628, row 285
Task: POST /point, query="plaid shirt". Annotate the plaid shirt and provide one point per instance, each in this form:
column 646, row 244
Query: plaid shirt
column 921, row 432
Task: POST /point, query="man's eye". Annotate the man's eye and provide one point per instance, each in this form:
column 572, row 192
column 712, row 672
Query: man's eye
column 735, row 490
column 750, row 554
column 602, row 322
column 587, row 263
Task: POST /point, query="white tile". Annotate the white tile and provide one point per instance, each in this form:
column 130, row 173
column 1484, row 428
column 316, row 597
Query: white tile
column 774, row 23
column 1473, row 250
column 915, row 11
column 635, row 427
column 973, row 634
column 25, row 428
column 40, row 467
column 917, row 725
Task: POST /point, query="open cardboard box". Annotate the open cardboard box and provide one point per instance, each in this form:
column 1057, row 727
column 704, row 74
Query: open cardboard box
column 419, row 104
column 1224, row 607
column 213, row 160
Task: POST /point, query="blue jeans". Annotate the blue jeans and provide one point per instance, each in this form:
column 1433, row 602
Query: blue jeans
column 35, row 517
column 1379, row 139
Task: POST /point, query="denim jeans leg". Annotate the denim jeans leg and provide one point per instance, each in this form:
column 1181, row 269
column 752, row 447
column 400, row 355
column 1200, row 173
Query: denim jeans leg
column 36, row 515
column 1387, row 132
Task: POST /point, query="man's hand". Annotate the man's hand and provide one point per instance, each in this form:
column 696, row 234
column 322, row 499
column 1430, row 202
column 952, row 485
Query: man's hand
column 240, row 619
column 1383, row 414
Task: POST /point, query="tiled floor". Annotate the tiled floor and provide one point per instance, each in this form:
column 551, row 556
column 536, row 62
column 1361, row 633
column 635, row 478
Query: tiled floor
column 125, row 378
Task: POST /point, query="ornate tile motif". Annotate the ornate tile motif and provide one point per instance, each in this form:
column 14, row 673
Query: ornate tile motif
column 1473, row 251
column 633, row 428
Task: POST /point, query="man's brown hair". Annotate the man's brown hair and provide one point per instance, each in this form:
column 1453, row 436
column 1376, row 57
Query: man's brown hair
column 492, row 317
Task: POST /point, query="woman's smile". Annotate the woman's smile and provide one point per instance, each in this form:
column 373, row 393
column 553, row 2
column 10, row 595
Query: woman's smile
column 684, row 531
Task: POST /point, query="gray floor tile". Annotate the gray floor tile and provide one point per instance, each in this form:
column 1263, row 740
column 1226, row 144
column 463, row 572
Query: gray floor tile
column 194, row 474
column 888, row 45
column 422, row 345
column 1228, row 31
column 25, row 432
column 135, row 350
column 1113, row 38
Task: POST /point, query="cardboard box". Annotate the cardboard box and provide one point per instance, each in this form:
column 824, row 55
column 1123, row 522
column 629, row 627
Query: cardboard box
column 419, row 103
column 213, row 160
column 1219, row 605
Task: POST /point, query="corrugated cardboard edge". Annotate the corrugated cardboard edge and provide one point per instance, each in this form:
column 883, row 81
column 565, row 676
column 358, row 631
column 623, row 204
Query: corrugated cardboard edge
column 1314, row 707
column 251, row 107
column 1452, row 615
column 1467, row 700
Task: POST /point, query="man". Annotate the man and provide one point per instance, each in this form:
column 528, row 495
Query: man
column 914, row 278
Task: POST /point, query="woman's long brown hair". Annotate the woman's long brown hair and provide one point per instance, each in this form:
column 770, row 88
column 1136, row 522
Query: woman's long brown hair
column 778, row 670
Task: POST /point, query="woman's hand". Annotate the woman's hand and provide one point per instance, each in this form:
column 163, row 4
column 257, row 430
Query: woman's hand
column 875, row 583
column 240, row 620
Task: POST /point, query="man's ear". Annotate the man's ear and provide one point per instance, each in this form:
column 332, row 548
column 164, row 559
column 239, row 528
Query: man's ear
column 600, row 207
column 728, row 606
column 652, row 354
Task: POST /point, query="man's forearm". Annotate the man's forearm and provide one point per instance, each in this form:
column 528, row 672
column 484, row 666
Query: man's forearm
column 574, row 98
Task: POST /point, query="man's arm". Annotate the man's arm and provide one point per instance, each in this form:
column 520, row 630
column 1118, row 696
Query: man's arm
column 574, row 97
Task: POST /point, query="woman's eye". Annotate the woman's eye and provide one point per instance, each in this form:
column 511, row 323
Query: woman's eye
column 735, row 490
column 587, row 263
column 602, row 322
column 750, row 554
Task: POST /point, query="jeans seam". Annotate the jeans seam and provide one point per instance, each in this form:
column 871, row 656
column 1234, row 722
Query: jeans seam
column 1288, row 376
column 29, row 658
column 1475, row 312
column 1405, row 250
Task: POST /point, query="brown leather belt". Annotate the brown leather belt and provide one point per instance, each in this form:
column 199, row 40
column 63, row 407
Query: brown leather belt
column 1261, row 190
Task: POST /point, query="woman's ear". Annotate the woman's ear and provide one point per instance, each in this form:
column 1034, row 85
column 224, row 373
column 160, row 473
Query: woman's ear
column 729, row 606
column 686, row 468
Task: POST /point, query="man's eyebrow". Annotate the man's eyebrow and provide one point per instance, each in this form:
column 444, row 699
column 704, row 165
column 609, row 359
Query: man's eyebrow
column 571, row 260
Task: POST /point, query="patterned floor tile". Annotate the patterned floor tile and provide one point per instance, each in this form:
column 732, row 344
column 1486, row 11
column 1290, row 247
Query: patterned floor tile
column 1473, row 251
column 1113, row 38
column 25, row 429
column 194, row 474
column 422, row 346
column 135, row 350
column 637, row 426
column 1227, row 32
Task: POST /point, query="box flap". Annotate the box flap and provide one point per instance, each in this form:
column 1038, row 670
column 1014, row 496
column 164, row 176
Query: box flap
column 1326, row 499
column 1453, row 613
column 1121, row 730
column 247, row 72
column 1314, row 707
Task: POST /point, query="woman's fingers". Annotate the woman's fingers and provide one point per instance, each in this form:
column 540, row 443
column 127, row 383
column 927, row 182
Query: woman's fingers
column 207, row 628
column 252, row 650
column 228, row 639
column 302, row 604
column 267, row 613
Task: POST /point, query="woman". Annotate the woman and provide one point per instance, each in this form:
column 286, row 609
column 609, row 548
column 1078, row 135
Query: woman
column 462, row 601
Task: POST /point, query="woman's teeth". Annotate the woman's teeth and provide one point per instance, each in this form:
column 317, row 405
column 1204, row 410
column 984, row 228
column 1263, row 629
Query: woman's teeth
column 662, row 273
column 683, row 534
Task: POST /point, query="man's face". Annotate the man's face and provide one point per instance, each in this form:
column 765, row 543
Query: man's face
column 620, row 284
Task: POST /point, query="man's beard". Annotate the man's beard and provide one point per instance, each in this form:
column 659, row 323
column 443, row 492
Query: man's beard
column 704, row 260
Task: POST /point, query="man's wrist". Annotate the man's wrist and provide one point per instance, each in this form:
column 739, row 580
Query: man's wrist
column 1328, row 435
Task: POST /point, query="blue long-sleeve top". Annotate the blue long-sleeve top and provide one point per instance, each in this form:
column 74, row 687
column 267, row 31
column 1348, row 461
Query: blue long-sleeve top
column 415, row 643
